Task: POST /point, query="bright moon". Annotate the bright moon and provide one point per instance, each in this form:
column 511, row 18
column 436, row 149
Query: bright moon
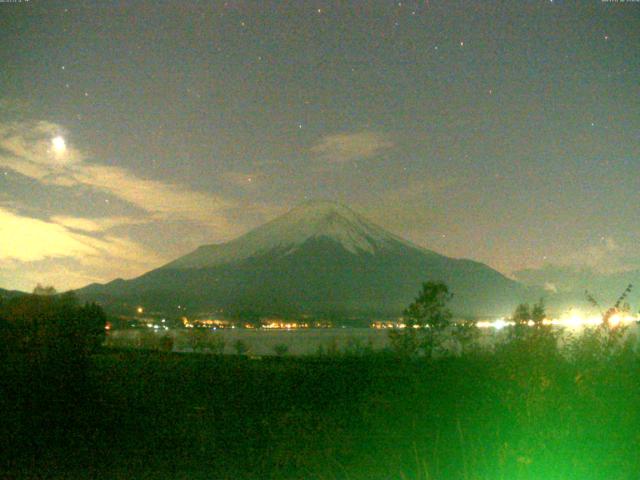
column 59, row 145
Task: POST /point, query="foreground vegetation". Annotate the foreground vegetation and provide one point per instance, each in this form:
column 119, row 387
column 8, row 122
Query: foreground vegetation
column 525, row 410
column 507, row 415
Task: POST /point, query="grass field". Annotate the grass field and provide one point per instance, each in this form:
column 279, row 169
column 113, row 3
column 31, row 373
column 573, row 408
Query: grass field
column 507, row 415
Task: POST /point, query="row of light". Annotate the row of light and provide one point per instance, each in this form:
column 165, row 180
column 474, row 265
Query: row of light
column 284, row 325
column 573, row 319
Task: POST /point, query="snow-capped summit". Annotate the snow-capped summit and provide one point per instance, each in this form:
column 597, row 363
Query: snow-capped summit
column 311, row 220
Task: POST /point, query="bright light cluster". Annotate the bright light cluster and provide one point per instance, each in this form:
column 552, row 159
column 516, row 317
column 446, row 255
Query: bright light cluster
column 571, row 319
column 280, row 325
column 498, row 324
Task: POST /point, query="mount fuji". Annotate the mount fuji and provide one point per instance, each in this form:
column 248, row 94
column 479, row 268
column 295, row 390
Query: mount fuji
column 321, row 259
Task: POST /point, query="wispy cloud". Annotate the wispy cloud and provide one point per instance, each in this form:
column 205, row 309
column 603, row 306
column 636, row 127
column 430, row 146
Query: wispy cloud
column 26, row 239
column 162, row 200
column 29, row 239
column 31, row 143
column 56, row 254
column 26, row 147
column 344, row 147
column 101, row 224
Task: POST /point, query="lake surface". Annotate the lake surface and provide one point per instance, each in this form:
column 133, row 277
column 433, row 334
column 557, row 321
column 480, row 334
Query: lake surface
column 298, row 342
column 263, row 342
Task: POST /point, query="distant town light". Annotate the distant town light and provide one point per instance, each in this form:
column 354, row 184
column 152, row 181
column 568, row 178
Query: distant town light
column 499, row 324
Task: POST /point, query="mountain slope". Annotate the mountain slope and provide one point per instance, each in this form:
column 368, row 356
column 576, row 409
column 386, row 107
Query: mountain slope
column 321, row 259
column 286, row 233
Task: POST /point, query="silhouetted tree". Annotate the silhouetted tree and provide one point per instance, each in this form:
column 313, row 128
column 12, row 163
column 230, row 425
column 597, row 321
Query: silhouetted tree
column 43, row 326
column 47, row 343
column 531, row 338
column 466, row 333
column 6, row 331
column 44, row 291
column 520, row 318
column 425, row 320
column 538, row 314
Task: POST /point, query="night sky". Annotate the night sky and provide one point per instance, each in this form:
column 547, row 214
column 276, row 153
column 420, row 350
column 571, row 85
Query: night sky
column 133, row 132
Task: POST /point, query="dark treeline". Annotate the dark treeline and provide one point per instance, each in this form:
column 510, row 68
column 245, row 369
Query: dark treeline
column 46, row 347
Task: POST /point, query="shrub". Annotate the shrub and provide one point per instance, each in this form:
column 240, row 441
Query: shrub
column 280, row 350
column 357, row 347
column 166, row 343
column 147, row 339
column 241, row 347
column 196, row 338
column 215, row 343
